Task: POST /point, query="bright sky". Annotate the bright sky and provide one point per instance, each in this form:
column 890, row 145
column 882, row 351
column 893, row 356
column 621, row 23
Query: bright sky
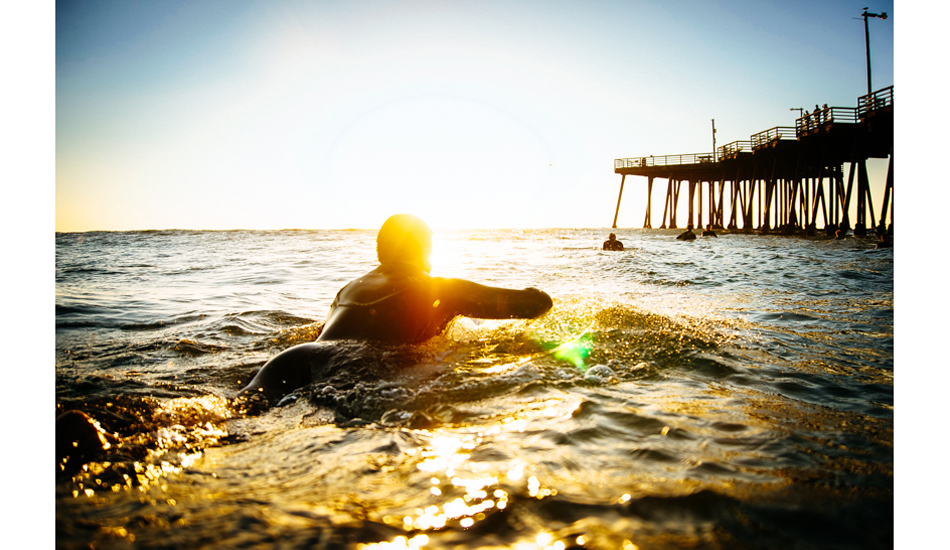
column 291, row 114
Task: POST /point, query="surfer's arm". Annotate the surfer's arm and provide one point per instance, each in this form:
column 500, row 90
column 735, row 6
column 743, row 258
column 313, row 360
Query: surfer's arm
column 487, row 302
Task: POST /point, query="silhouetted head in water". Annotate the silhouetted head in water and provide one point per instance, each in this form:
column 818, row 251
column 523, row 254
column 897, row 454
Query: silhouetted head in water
column 404, row 238
column 612, row 243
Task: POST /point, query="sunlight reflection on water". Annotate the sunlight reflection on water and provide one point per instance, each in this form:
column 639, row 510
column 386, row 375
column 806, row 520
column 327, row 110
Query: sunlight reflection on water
column 673, row 389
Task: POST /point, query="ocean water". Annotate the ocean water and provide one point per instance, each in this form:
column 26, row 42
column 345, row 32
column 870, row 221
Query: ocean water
column 731, row 392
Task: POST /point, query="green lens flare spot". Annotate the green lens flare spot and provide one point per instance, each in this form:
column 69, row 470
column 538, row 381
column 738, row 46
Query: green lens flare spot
column 575, row 351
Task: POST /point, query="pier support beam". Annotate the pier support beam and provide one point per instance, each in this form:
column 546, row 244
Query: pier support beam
column 846, row 201
column 888, row 187
column 870, row 201
column 672, row 202
column 689, row 212
column 646, row 219
column 748, row 219
column 766, row 224
column 734, row 185
column 860, row 224
column 617, row 212
column 699, row 197
column 676, row 201
column 819, row 196
column 722, row 193
column 667, row 202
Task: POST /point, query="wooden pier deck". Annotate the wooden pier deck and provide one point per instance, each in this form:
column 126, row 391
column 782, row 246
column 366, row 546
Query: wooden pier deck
column 791, row 174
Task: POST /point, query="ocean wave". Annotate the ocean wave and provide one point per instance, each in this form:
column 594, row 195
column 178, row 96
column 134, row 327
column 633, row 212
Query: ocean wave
column 78, row 309
column 194, row 348
column 368, row 381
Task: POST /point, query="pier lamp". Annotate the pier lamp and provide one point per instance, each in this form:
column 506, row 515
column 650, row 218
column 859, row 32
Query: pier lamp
column 715, row 156
column 801, row 112
column 867, row 39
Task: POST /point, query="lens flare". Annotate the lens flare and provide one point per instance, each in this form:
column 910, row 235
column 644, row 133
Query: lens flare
column 574, row 351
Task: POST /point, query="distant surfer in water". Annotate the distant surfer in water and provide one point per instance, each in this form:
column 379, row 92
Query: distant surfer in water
column 687, row 235
column 399, row 303
column 885, row 242
column 612, row 243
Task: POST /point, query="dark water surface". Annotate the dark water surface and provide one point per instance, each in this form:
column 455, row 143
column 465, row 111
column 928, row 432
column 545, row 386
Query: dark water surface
column 725, row 393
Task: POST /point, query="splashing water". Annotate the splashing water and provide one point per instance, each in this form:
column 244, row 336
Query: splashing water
column 736, row 392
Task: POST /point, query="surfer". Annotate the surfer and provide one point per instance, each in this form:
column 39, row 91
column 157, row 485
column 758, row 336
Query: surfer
column 708, row 232
column 687, row 235
column 398, row 303
column 612, row 243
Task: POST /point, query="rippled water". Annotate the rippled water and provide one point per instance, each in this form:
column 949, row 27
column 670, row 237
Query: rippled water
column 734, row 392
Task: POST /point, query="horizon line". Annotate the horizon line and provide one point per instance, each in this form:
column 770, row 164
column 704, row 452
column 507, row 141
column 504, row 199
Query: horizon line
column 335, row 229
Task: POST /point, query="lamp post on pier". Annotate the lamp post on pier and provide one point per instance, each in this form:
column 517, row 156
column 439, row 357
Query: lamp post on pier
column 715, row 156
column 867, row 39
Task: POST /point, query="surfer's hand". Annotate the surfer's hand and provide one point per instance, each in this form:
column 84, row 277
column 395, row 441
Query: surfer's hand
column 541, row 300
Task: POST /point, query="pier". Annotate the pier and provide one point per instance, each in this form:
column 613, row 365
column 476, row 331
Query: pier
column 782, row 178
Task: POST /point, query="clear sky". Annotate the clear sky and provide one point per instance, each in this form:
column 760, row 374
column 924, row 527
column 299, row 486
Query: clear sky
column 335, row 114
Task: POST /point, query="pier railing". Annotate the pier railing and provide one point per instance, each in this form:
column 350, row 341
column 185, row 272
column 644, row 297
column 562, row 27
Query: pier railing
column 770, row 136
column 668, row 160
column 812, row 122
column 731, row 150
column 821, row 120
column 878, row 100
